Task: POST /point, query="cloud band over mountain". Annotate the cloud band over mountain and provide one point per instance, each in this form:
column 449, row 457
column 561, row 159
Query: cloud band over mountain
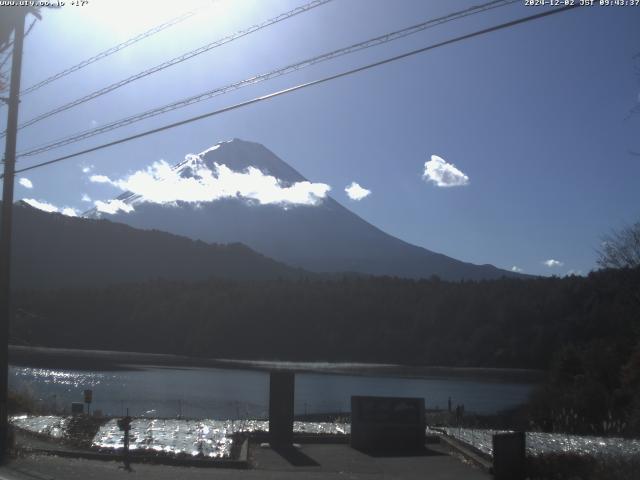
column 163, row 184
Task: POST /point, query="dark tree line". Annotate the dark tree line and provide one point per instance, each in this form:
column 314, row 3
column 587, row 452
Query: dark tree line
column 501, row 323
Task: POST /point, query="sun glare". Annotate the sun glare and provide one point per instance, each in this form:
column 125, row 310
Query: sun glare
column 126, row 18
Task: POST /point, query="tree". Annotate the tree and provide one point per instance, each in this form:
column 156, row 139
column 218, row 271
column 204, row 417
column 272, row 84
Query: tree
column 621, row 249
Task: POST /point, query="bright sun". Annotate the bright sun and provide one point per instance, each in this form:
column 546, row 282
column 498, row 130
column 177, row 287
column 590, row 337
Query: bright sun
column 126, row 18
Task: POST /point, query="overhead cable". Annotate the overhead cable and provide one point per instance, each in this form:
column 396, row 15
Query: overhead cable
column 174, row 61
column 379, row 40
column 263, row 98
column 110, row 51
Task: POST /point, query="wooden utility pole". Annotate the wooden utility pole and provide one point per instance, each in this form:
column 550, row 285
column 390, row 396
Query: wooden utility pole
column 5, row 229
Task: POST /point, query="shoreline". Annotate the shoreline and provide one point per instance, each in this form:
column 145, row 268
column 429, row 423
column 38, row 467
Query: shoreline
column 107, row 360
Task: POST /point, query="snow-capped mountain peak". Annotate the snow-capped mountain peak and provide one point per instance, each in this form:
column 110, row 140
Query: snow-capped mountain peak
column 240, row 191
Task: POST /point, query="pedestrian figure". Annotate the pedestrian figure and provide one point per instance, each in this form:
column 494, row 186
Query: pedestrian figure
column 125, row 425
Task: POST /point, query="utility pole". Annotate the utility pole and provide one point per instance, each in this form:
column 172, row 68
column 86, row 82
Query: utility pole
column 5, row 229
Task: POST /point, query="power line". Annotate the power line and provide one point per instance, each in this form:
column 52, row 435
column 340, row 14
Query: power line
column 33, row 22
column 369, row 66
column 388, row 37
column 111, row 51
column 175, row 61
column 5, row 59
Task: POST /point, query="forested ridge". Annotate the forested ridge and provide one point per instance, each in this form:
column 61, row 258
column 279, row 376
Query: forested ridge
column 53, row 250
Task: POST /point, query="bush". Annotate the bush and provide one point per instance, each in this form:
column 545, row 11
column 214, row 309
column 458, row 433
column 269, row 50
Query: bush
column 573, row 466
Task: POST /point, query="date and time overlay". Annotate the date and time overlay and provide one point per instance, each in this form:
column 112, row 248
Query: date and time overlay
column 527, row 3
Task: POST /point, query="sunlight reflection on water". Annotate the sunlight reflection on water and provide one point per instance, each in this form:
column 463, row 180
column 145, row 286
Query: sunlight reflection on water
column 59, row 377
column 208, row 438
column 212, row 438
column 49, row 425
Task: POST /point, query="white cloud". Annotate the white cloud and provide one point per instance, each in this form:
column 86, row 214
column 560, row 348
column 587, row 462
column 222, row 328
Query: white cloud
column 112, row 206
column 100, row 179
column 551, row 263
column 86, row 198
column 45, row 206
column 49, row 207
column 87, row 168
column 69, row 212
column 356, row 192
column 160, row 183
column 516, row 269
column 443, row 174
column 25, row 182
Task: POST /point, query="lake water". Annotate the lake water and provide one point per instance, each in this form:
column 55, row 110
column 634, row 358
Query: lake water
column 239, row 394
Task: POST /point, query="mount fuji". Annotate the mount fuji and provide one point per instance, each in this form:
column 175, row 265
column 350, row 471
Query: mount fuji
column 239, row 191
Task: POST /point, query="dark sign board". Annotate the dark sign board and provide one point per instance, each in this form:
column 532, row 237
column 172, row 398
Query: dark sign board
column 387, row 423
column 389, row 410
column 77, row 408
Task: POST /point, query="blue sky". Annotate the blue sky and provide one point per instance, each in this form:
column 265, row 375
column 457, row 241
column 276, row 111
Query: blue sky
column 536, row 116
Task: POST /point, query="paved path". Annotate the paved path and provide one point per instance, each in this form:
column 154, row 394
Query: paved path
column 313, row 461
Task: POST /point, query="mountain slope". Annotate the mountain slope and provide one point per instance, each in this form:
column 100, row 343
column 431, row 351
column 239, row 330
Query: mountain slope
column 321, row 236
column 53, row 250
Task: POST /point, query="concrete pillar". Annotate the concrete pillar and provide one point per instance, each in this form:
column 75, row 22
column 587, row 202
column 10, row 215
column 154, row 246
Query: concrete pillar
column 281, row 394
